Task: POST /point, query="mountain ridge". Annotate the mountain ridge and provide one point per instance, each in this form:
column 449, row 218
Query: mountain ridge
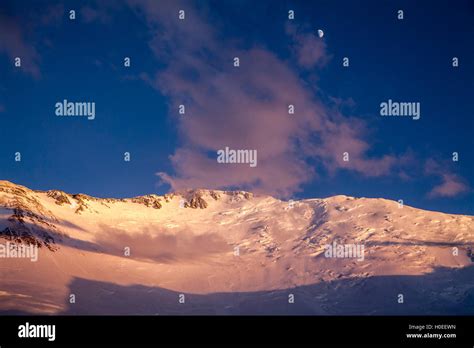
column 210, row 241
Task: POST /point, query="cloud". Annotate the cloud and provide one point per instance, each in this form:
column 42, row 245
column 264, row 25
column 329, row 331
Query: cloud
column 12, row 43
column 15, row 31
column 309, row 49
column 101, row 12
column 53, row 15
column 451, row 184
column 247, row 108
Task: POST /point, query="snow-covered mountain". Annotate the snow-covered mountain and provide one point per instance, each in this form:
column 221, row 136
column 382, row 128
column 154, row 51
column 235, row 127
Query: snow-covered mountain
column 220, row 252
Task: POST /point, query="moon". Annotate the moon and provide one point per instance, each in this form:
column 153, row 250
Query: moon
column 320, row 33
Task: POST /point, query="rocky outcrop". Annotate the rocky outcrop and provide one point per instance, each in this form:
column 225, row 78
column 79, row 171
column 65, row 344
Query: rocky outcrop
column 151, row 201
column 59, row 197
column 196, row 202
column 214, row 195
column 21, row 234
column 27, row 227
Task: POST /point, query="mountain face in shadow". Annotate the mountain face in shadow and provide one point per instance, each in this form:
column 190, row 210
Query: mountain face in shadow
column 443, row 291
column 231, row 252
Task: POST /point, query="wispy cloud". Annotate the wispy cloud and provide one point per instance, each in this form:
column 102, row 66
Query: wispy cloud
column 451, row 184
column 18, row 39
column 13, row 43
column 309, row 49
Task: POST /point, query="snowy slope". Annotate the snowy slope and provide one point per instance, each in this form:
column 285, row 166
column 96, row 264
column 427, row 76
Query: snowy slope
column 231, row 253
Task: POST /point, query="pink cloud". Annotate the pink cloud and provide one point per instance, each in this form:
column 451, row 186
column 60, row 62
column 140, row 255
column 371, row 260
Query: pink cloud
column 451, row 184
column 247, row 108
column 17, row 38
column 242, row 109
column 309, row 49
column 12, row 42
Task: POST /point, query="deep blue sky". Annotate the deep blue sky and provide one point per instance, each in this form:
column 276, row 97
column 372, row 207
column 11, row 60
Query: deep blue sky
column 407, row 60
